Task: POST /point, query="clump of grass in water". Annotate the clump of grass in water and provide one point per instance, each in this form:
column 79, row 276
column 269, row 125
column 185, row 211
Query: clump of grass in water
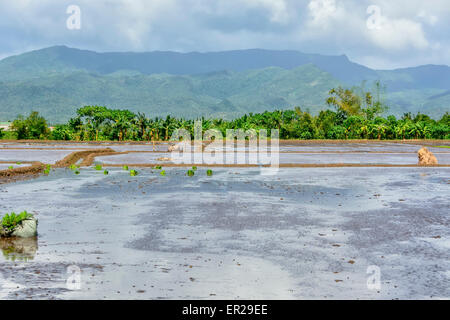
column 10, row 221
column 157, row 168
column 125, row 168
column 106, row 172
column 98, row 167
column 163, row 173
column 190, row 173
column 209, row 172
column 47, row 169
column 194, row 168
column 74, row 168
column 133, row 173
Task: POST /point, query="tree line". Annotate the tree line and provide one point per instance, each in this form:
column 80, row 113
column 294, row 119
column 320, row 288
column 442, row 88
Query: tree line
column 352, row 115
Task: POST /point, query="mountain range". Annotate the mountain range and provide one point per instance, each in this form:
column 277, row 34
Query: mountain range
column 56, row 81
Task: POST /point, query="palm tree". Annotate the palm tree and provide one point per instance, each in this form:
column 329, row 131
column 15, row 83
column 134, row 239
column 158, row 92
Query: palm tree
column 141, row 121
column 122, row 124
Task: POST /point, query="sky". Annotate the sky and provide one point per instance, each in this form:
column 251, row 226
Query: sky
column 381, row 34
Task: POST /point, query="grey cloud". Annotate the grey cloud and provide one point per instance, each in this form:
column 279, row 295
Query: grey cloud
column 415, row 32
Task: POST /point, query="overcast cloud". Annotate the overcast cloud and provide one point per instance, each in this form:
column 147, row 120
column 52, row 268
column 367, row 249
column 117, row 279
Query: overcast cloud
column 405, row 33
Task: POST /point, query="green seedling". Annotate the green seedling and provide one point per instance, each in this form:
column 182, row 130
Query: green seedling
column 158, row 168
column 10, row 221
column 73, row 167
column 163, row 173
column 98, row 167
column 47, row 169
column 190, row 173
column 125, row 168
column 106, row 172
column 209, row 172
column 10, row 167
column 133, row 173
column 194, row 168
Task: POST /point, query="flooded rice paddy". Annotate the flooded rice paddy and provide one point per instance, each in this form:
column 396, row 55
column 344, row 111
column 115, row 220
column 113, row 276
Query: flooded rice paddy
column 302, row 233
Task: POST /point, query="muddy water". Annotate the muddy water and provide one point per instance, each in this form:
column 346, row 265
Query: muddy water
column 285, row 158
column 45, row 156
column 302, row 233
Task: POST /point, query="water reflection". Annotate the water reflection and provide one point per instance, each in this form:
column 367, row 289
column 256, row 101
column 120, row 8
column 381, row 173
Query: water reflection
column 21, row 249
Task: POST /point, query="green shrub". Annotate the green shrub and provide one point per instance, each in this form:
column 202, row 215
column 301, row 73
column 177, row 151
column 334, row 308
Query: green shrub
column 77, row 172
column 209, row 172
column 106, row 172
column 163, row 173
column 10, row 221
column 98, row 167
column 10, row 167
column 33, row 127
column 62, row 132
column 157, row 168
column 133, row 173
column 125, row 168
column 194, row 168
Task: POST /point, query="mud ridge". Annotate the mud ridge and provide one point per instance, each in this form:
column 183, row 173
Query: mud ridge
column 74, row 157
column 36, row 168
column 89, row 160
column 21, row 173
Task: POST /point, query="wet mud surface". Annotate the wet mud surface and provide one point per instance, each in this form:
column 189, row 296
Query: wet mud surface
column 301, row 233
